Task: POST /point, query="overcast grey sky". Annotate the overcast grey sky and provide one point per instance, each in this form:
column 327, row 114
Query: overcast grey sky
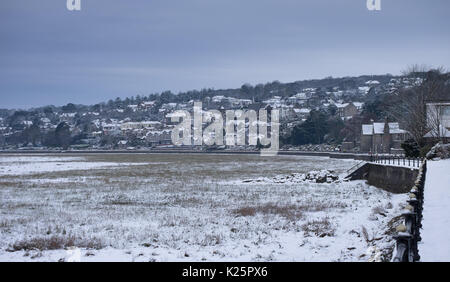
column 120, row 48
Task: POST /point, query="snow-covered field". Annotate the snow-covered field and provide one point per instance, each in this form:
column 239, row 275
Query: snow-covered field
column 38, row 164
column 199, row 207
column 435, row 244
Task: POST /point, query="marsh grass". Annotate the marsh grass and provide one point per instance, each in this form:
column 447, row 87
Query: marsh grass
column 379, row 210
column 170, row 200
column 319, row 227
column 4, row 224
column 290, row 212
column 55, row 242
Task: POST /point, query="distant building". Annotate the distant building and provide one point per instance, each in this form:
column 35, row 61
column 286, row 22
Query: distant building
column 122, row 144
column 162, row 137
column 438, row 119
column 347, row 110
column 147, row 105
column 299, row 98
column 133, row 107
column 110, row 128
column 302, row 113
column 381, row 137
column 139, row 125
column 358, row 105
column 275, row 101
column 372, row 82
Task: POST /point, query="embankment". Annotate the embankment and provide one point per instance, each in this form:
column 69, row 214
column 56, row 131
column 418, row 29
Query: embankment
column 395, row 179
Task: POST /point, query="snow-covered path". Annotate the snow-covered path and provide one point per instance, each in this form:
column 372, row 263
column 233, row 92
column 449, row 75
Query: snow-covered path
column 435, row 244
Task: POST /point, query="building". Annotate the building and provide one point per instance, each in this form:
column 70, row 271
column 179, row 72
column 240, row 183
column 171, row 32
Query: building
column 382, row 137
column 358, row 105
column 147, row 105
column 122, row 144
column 299, row 98
column 347, row 110
column 438, row 120
column 139, row 125
column 302, row 113
column 161, row 137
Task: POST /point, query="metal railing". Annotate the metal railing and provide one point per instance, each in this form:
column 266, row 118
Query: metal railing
column 408, row 233
column 396, row 160
column 355, row 167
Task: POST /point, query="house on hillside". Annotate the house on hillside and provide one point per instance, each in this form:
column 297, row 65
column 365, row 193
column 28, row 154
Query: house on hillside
column 299, row 98
column 346, row 110
column 160, row 137
column 122, row 144
column 358, row 105
column 302, row 113
column 147, row 105
column 134, row 108
column 382, row 137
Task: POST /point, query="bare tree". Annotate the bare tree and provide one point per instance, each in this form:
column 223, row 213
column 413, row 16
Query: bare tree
column 410, row 112
column 434, row 117
column 410, row 107
column 413, row 70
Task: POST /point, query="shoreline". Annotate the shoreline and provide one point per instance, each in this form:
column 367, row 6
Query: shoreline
column 335, row 155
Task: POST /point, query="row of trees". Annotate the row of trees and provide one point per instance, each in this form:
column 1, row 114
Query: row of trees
column 60, row 137
column 259, row 92
column 322, row 126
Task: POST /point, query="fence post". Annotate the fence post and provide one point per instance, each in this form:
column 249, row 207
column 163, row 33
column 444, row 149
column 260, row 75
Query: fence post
column 408, row 234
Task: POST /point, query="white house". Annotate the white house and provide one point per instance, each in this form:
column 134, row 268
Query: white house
column 438, row 119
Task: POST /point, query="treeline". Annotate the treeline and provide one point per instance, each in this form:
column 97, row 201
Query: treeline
column 322, row 126
column 259, row 92
column 59, row 137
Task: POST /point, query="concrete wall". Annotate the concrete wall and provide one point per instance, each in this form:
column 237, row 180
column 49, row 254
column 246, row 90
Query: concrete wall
column 393, row 179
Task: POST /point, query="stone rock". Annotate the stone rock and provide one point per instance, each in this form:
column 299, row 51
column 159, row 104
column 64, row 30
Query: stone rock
column 441, row 151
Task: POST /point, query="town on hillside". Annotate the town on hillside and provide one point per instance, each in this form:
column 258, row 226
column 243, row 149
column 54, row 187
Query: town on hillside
column 351, row 114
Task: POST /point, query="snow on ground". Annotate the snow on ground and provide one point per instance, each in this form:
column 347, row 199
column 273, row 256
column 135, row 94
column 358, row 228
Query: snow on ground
column 435, row 245
column 193, row 208
column 321, row 176
column 37, row 164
